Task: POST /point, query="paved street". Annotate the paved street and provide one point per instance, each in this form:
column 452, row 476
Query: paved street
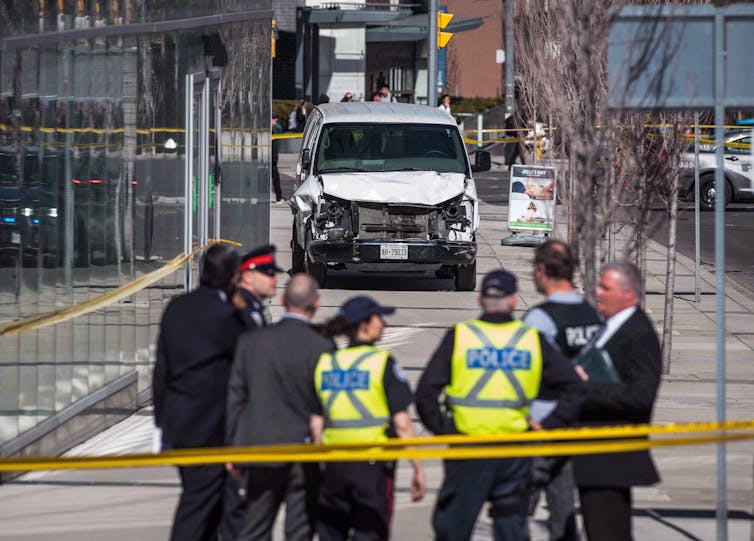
column 138, row 503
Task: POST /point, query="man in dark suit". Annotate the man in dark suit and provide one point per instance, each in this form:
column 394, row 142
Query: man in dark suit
column 273, row 378
column 198, row 334
column 605, row 480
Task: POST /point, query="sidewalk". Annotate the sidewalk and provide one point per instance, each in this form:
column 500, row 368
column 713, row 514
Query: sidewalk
column 120, row 505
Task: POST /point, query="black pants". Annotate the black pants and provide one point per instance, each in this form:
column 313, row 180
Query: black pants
column 606, row 512
column 268, row 487
column 234, row 508
column 554, row 475
column 200, row 506
column 355, row 496
column 503, row 482
column 276, row 180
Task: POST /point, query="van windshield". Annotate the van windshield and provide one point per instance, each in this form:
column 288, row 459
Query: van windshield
column 390, row 147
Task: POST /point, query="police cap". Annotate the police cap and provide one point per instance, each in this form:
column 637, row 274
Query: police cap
column 261, row 259
column 499, row 283
column 357, row 309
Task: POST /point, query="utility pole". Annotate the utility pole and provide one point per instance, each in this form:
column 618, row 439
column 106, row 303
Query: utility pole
column 432, row 54
column 510, row 91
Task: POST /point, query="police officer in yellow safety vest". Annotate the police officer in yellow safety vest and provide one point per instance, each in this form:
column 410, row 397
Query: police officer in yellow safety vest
column 365, row 398
column 490, row 370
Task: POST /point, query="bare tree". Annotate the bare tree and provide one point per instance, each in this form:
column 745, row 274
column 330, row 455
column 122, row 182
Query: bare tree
column 620, row 164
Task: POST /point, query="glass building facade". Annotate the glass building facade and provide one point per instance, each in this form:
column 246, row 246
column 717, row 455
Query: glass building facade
column 130, row 132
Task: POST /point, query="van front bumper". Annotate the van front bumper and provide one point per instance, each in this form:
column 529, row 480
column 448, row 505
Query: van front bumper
column 371, row 251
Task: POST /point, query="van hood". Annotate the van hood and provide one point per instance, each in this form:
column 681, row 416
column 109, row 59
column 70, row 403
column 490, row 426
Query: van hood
column 412, row 187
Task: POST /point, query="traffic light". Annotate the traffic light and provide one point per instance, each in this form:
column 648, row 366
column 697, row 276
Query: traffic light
column 443, row 20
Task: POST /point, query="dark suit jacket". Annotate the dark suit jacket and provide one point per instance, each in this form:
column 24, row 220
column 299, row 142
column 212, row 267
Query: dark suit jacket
column 271, row 392
column 198, row 334
column 635, row 352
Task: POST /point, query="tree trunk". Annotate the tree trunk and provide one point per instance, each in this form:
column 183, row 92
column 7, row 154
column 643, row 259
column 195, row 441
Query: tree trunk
column 667, row 320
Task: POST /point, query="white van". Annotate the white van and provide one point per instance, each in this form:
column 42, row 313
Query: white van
column 385, row 186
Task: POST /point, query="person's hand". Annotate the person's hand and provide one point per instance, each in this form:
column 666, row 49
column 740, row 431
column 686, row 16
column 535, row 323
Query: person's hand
column 234, row 472
column 418, row 484
column 581, row 372
column 534, row 424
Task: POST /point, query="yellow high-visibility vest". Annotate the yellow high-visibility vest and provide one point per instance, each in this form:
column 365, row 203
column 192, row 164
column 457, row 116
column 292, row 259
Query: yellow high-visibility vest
column 349, row 384
column 496, row 370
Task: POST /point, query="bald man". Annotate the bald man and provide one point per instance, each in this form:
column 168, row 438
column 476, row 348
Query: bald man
column 272, row 378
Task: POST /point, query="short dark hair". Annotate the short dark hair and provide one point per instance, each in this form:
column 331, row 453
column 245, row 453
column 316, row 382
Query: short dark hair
column 557, row 259
column 219, row 265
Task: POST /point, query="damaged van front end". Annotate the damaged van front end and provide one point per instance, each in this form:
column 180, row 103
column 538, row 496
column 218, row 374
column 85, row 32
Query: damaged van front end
column 391, row 192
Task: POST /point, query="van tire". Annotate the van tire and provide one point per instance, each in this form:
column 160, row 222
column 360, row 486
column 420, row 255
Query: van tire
column 318, row 271
column 466, row 277
column 297, row 257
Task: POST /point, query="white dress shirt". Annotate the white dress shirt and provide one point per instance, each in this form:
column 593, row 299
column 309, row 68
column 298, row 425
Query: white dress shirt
column 613, row 324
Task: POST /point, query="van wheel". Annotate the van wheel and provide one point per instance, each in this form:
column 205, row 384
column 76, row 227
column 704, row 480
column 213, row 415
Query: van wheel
column 318, row 271
column 466, row 277
column 297, row 257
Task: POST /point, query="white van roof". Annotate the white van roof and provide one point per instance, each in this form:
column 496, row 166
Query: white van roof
column 378, row 112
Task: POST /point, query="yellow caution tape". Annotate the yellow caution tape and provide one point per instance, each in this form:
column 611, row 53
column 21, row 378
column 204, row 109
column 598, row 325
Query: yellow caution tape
column 287, row 135
column 466, row 447
column 52, row 318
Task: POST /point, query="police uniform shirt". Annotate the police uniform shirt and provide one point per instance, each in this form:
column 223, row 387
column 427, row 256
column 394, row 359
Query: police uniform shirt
column 397, row 389
column 255, row 315
column 557, row 372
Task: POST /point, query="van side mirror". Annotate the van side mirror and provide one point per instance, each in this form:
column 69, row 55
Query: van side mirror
column 482, row 162
column 306, row 159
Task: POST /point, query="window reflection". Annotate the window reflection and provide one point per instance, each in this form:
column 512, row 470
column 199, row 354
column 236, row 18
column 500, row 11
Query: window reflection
column 92, row 149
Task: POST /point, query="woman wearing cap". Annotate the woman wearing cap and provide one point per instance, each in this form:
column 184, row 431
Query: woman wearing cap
column 364, row 398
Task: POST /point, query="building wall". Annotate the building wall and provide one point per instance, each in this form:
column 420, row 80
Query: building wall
column 471, row 67
column 342, row 62
column 92, row 182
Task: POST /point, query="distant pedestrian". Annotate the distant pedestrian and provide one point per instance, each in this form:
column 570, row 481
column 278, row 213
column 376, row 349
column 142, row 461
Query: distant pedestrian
column 630, row 341
column 276, row 130
column 301, row 115
column 387, row 96
column 323, row 98
column 490, row 369
column 568, row 323
column 376, row 96
column 364, row 397
column 273, row 378
column 348, row 96
column 198, row 334
column 445, row 104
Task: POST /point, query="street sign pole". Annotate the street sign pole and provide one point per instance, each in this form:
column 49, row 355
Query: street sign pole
column 722, row 508
column 697, row 247
column 510, row 90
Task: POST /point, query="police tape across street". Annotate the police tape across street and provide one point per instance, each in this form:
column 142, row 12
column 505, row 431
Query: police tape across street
column 458, row 447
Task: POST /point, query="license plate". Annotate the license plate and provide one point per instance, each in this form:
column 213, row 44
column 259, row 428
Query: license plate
column 393, row 251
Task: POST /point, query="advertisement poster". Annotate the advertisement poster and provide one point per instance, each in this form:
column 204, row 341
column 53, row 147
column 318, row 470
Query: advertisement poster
column 532, row 198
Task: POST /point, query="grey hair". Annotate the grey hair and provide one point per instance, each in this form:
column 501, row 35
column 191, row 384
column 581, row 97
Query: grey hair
column 630, row 277
column 497, row 304
column 301, row 292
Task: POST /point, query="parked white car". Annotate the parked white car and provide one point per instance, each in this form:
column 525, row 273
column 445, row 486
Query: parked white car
column 739, row 176
column 385, row 187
